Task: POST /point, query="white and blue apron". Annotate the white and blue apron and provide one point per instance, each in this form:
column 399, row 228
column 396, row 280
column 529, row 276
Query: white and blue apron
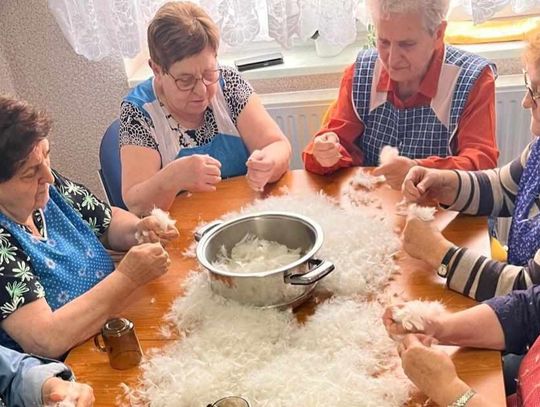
column 417, row 132
column 68, row 260
column 227, row 146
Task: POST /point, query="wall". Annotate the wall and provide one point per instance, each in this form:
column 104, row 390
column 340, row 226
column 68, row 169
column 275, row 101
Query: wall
column 6, row 81
column 82, row 97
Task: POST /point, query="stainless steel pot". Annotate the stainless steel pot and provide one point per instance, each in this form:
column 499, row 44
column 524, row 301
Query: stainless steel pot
column 287, row 285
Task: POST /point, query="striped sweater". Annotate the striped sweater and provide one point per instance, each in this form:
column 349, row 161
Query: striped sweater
column 484, row 193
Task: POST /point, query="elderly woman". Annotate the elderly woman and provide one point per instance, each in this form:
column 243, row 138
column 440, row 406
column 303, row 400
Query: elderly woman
column 195, row 122
column 434, row 103
column 512, row 190
column 59, row 284
column 27, row 381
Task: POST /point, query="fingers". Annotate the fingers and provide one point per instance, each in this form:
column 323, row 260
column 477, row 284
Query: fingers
column 410, row 341
column 263, row 165
column 256, row 185
column 326, row 149
column 211, row 161
column 167, row 260
column 410, row 192
column 256, row 155
column 329, row 137
column 394, row 329
column 322, row 147
column 426, row 340
column 380, row 170
column 212, row 169
column 170, row 234
column 400, row 348
column 388, row 316
column 86, row 397
column 260, row 168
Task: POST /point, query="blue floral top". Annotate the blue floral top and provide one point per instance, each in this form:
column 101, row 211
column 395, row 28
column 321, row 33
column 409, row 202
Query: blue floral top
column 19, row 282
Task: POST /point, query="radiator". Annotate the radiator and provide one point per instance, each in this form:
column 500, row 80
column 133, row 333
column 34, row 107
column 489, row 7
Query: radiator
column 299, row 115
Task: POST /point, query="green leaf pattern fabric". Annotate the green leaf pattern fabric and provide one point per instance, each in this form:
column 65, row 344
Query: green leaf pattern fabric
column 19, row 285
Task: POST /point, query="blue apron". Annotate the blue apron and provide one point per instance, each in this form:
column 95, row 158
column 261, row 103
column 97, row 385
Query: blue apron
column 68, row 262
column 229, row 150
column 227, row 145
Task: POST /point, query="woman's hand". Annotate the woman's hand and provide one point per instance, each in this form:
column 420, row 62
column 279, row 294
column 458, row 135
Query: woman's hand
column 55, row 390
column 200, row 173
column 144, row 263
column 431, row 370
column 150, row 230
column 260, row 167
column 326, row 149
column 425, row 184
column 393, row 328
column 395, row 171
column 423, row 241
column 396, row 329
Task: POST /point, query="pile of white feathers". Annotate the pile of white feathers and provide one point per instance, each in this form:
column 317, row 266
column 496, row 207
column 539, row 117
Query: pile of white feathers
column 340, row 356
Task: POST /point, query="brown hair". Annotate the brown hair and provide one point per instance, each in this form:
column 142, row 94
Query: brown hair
column 532, row 50
column 21, row 129
column 180, row 29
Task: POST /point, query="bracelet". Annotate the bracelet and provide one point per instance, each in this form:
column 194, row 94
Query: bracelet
column 462, row 400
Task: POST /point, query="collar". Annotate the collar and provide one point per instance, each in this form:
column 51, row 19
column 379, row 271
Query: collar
column 429, row 83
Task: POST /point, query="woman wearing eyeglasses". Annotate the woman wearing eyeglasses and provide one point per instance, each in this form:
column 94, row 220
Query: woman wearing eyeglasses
column 509, row 319
column 512, row 190
column 195, row 122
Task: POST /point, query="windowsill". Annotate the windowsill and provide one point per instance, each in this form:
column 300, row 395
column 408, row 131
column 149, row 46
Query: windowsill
column 304, row 61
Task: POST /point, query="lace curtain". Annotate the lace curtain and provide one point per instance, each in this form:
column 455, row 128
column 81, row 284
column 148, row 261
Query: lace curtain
column 483, row 10
column 98, row 28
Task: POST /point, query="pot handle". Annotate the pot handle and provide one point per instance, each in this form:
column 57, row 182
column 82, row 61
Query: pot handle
column 198, row 235
column 321, row 269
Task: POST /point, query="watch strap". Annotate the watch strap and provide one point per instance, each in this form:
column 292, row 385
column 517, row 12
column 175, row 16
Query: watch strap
column 445, row 262
column 449, row 254
column 462, row 400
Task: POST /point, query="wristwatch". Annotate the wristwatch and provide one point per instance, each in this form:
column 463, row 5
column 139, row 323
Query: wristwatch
column 462, row 400
column 442, row 270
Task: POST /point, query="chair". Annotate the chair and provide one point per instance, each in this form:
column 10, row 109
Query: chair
column 109, row 160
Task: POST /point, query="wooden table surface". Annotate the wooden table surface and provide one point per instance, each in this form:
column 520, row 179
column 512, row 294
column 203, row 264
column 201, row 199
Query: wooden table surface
column 481, row 369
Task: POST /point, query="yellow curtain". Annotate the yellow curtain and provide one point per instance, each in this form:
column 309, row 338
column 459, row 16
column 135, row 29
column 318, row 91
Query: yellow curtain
column 508, row 29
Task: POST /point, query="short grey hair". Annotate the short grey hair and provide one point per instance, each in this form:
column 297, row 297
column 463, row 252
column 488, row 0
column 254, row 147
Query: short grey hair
column 433, row 11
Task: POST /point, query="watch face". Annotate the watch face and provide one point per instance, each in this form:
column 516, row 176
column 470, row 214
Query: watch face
column 442, row 270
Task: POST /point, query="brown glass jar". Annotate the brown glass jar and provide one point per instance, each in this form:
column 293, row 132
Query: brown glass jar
column 120, row 342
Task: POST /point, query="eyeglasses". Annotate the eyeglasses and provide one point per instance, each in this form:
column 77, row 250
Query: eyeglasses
column 534, row 95
column 187, row 82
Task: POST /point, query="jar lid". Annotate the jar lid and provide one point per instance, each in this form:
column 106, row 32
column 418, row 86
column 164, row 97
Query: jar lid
column 117, row 326
column 230, row 401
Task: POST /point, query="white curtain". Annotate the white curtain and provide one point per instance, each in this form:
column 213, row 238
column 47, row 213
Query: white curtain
column 483, row 10
column 97, row 28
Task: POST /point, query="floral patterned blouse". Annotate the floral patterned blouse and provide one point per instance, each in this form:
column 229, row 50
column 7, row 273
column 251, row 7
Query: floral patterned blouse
column 135, row 125
column 19, row 284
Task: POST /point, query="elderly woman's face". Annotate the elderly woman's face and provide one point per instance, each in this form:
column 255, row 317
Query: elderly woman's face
column 532, row 96
column 28, row 189
column 405, row 47
column 197, row 69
